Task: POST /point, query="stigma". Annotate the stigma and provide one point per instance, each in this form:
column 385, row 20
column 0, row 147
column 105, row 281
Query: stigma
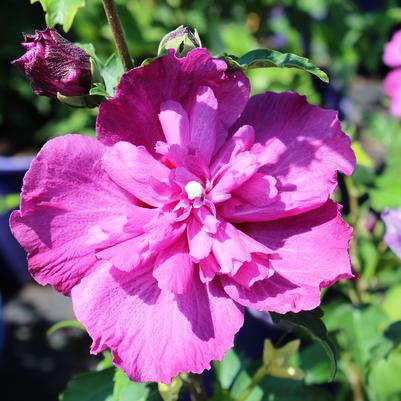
column 194, row 190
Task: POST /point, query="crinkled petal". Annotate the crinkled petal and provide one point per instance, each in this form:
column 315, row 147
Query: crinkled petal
column 66, row 198
column 306, row 146
column 153, row 334
column 275, row 294
column 257, row 269
column 203, row 123
column 134, row 169
column 229, row 249
column 174, row 268
column 132, row 115
column 175, row 123
column 312, row 247
column 200, row 242
column 208, row 268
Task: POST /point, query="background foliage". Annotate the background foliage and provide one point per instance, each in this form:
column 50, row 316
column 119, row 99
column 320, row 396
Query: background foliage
column 345, row 38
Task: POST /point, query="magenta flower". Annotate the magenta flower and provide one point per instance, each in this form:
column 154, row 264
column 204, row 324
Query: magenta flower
column 193, row 203
column 52, row 64
column 392, row 220
column 392, row 82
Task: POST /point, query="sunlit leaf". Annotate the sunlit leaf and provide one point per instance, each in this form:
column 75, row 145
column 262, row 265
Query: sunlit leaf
column 60, row 11
column 261, row 58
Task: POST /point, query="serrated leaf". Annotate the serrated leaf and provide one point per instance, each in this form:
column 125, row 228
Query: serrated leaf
column 311, row 322
column 60, row 11
column 64, row 325
column 262, row 58
column 94, row 386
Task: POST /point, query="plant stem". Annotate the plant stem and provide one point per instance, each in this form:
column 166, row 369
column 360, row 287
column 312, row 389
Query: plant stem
column 118, row 34
column 259, row 375
column 197, row 389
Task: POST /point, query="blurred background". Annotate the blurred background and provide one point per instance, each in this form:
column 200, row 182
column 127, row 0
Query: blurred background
column 343, row 37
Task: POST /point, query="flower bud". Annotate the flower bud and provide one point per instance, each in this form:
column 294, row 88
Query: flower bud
column 181, row 39
column 54, row 65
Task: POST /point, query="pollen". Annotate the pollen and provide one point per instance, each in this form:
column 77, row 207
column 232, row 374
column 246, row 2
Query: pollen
column 194, row 190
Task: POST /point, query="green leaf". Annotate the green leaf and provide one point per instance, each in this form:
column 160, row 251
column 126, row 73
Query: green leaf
column 315, row 365
column 64, row 325
column 9, row 202
column 106, row 362
column 111, row 73
column 227, row 369
column 360, row 330
column 391, row 303
column 390, row 341
column 99, row 90
column 277, row 361
column 361, row 156
column 126, row 390
column 171, row 392
column 94, row 386
column 276, row 389
column 311, row 322
column 384, row 379
column 60, row 11
column 261, row 58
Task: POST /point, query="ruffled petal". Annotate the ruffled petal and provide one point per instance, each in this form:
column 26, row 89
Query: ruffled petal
column 175, row 123
column 153, row 334
column 174, row 268
column 306, row 147
column 142, row 91
column 134, row 169
column 200, row 242
column 68, row 206
column 312, row 247
column 203, row 123
column 275, row 294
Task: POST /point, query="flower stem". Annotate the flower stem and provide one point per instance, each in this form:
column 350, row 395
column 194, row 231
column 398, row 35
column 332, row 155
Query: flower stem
column 259, row 375
column 197, row 389
column 118, row 34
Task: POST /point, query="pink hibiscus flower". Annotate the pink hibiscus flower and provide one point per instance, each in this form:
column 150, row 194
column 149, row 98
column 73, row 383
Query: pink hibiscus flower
column 194, row 202
column 392, row 82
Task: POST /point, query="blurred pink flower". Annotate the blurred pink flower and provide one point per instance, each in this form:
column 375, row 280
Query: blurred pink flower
column 392, row 220
column 194, row 202
column 392, row 82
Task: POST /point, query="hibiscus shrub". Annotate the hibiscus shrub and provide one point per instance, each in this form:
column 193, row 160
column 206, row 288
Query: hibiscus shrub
column 197, row 202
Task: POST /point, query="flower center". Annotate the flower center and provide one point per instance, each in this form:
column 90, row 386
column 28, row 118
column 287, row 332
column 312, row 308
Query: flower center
column 194, row 190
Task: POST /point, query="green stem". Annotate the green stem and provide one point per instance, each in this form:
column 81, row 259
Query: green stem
column 118, row 34
column 197, row 389
column 259, row 375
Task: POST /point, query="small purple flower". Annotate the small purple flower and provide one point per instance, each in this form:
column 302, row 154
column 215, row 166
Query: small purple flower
column 392, row 220
column 52, row 64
